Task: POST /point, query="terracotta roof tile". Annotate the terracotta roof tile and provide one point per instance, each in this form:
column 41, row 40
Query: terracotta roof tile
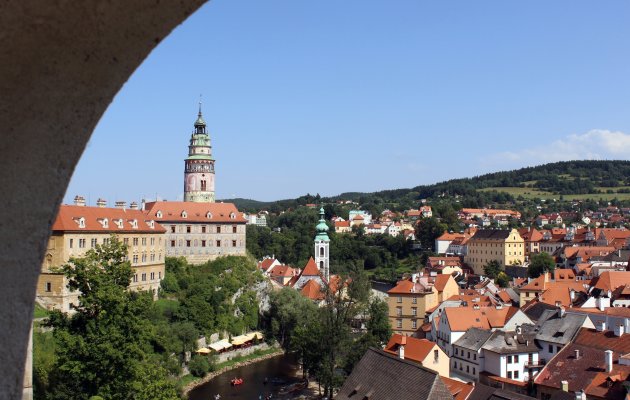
column 415, row 349
column 68, row 217
column 182, row 211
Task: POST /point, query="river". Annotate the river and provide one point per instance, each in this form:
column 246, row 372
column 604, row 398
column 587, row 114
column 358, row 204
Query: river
column 280, row 371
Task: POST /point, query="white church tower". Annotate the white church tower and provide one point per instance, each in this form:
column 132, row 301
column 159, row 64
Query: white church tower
column 322, row 247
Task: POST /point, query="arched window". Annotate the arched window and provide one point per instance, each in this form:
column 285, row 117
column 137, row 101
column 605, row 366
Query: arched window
column 321, row 251
column 321, row 265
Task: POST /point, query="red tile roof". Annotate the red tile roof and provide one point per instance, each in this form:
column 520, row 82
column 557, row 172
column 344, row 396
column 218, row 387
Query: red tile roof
column 441, row 281
column 415, row 349
column 182, row 211
column 311, row 268
column 459, row 390
column 312, row 290
column 266, row 263
column 68, row 220
column 611, row 280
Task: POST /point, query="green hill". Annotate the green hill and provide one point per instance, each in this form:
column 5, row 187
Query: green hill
column 591, row 179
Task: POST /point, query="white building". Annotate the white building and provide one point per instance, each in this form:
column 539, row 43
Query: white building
column 512, row 354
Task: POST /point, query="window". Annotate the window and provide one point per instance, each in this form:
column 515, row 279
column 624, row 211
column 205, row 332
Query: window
column 474, row 356
column 135, row 277
column 135, row 259
column 144, row 257
column 516, row 358
column 399, row 323
column 152, row 241
column 414, row 324
column 172, row 243
column 203, row 243
column 203, row 185
column 135, row 241
column 436, row 355
column 234, row 229
column 188, row 229
column 509, row 359
column 414, row 311
column 105, row 240
column 188, row 243
column 48, row 287
column 218, row 243
column 203, row 229
column 414, row 300
column 468, row 369
column 509, row 374
column 172, row 228
column 152, row 256
column 398, row 300
column 456, row 350
column 234, row 244
column 160, row 275
column 515, row 374
column 152, row 275
column 126, row 241
column 93, row 242
column 454, row 364
column 398, row 311
column 550, row 348
column 144, row 276
column 218, row 229
column 474, row 373
column 144, row 241
column 469, row 354
column 557, row 349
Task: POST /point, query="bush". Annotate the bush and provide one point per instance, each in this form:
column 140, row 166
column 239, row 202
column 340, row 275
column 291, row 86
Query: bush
column 199, row 366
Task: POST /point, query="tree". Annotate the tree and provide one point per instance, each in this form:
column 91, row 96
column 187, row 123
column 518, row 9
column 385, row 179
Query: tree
column 492, row 269
column 199, row 365
column 539, row 264
column 378, row 324
column 104, row 348
column 428, row 230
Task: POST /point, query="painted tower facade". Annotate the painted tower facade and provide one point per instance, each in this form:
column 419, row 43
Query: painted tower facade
column 322, row 247
column 199, row 165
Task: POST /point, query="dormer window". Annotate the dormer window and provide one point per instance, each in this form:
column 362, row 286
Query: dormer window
column 151, row 224
column 134, row 223
column 104, row 222
column 209, row 215
column 119, row 223
column 158, row 214
column 232, row 215
column 81, row 222
column 184, row 214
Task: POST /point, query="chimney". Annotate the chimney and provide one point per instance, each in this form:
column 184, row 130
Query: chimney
column 561, row 311
column 401, row 348
column 580, row 395
column 79, row 201
column 577, row 354
column 619, row 330
column 600, row 326
column 572, row 295
column 599, row 303
column 102, row 203
column 608, row 357
column 565, row 386
column 144, row 204
column 121, row 204
column 133, row 205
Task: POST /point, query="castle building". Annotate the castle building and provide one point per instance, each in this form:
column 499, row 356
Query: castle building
column 506, row 247
column 200, row 232
column 79, row 228
column 199, row 165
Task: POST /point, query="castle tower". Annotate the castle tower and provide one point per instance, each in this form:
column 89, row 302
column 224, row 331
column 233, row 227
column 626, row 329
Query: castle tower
column 322, row 247
column 199, row 165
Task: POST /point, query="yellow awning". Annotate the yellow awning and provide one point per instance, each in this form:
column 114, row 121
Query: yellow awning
column 239, row 340
column 203, row 350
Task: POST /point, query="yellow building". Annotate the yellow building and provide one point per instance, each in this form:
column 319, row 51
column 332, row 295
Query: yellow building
column 506, row 247
column 78, row 229
column 410, row 299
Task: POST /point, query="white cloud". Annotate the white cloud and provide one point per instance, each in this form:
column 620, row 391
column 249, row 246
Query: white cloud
column 595, row 144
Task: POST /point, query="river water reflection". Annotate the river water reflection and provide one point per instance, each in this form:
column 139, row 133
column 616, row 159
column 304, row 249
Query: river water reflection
column 280, row 371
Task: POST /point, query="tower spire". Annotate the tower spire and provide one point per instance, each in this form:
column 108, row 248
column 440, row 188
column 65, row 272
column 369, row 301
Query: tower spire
column 199, row 106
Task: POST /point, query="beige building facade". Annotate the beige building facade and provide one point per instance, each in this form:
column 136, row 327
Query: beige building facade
column 77, row 229
column 507, row 247
column 410, row 299
column 200, row 232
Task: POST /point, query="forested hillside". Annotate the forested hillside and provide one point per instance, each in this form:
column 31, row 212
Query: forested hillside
column 591, row 179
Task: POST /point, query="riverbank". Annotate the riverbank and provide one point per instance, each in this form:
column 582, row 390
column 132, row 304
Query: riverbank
column 230, row 365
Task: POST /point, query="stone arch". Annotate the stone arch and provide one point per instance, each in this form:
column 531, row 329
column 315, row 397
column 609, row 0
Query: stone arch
column 67, row 62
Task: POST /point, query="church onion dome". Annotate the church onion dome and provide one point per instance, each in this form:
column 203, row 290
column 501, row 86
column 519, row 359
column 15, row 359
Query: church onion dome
column 322, row 227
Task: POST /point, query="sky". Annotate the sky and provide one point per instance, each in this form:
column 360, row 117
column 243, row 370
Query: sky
column 334, row 96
